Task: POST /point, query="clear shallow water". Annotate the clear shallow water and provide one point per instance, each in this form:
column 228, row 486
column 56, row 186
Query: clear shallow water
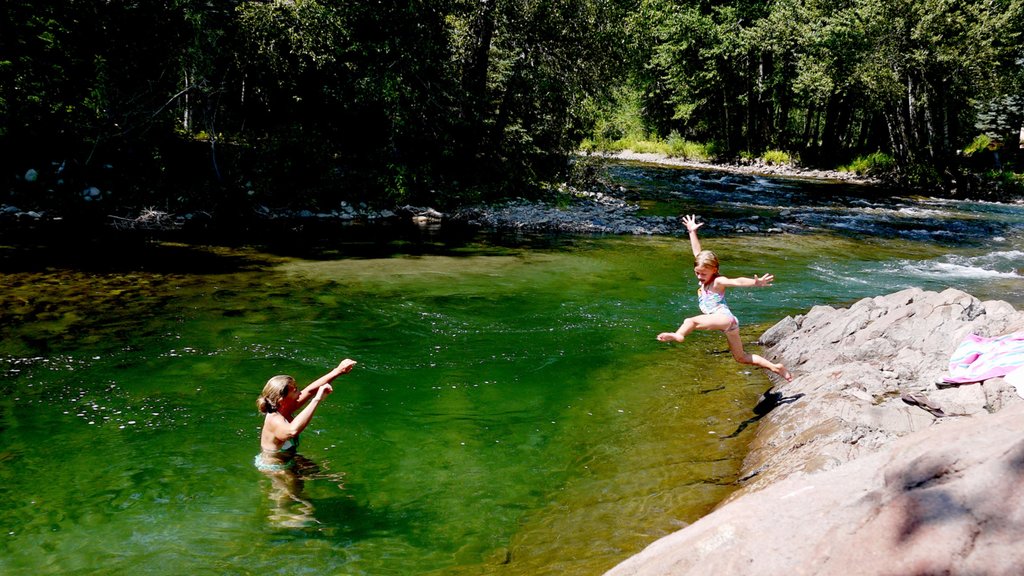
column 502, row 399
column 511, row 412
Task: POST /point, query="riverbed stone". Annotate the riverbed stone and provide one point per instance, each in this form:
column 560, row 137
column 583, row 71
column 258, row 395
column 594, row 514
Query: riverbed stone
column 866, row 465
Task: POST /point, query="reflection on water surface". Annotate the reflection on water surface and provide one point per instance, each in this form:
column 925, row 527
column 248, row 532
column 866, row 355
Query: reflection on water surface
column 511, row 412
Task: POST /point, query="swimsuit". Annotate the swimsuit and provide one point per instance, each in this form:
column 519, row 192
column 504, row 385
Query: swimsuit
column 290, row 445
column 712, row 302
column 285, row 455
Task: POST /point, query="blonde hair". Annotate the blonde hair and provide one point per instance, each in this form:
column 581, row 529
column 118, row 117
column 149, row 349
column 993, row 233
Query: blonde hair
column 706, row 259
column 275, row 390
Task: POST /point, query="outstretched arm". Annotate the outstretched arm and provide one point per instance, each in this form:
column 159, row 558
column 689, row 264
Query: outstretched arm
column 343, row 368
column 691, row 226
column 744, row 282
column 284, row 430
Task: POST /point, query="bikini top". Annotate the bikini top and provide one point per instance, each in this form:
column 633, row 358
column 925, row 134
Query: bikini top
column 290, row 445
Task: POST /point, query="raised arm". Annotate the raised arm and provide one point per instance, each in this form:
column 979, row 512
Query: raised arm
column 285, row 430
column 343, row 368
column 691, row 226
column 744, row 282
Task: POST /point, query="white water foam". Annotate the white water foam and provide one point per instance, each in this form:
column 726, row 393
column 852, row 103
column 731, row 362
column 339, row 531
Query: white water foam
column 1007, row 264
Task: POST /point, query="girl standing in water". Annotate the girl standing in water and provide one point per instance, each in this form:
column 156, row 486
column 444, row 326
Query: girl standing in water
column 281, row 397
column 279, row 443
column 711, row 299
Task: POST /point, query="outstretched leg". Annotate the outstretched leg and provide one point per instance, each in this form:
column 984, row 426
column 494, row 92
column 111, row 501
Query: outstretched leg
column 744, row 357
column 702, row 322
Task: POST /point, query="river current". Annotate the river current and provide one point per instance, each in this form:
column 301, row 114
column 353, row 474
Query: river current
column 511, row 412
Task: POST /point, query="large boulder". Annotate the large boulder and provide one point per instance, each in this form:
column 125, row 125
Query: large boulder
column 864, row 465
column 949, row 501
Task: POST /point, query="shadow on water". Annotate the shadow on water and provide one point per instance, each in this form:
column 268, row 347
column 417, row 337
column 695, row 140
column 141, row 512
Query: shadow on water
column 330, row 240
column 111, row 252
column 221, row 251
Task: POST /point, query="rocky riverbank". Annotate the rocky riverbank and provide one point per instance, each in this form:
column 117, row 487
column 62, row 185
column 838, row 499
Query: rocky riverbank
column 570, row 211
column 609, row 211
column 567, row 210
column 862, row 464
column 758, row 167
column 599, row 209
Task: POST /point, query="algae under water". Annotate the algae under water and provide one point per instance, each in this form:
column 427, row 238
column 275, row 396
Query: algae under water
column 511, row 412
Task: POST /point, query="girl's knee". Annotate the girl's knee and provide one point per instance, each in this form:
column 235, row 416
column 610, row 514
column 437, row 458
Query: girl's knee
column 743, row 358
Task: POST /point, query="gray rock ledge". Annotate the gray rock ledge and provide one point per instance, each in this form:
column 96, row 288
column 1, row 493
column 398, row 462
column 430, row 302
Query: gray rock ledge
column 846, row 477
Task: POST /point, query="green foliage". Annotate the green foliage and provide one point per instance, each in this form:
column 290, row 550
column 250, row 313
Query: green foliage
column 423, row 101
column 833, row 79
column 979, row 144
column 773, row 157
column 1007, row 177
column 679, row 147
column 921, row 176
column 874, row 164
column 624, row 118
column 644, row 146
column 586, row 172
column 674, row 147
column 447, row 101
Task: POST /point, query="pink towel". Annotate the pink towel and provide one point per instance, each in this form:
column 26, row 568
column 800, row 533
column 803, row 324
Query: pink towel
column 978, row 358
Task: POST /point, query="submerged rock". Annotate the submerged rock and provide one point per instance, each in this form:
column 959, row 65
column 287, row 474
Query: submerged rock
column 864, row 465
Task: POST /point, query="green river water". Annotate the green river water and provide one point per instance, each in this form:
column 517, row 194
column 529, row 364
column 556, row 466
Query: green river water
column 511, row 412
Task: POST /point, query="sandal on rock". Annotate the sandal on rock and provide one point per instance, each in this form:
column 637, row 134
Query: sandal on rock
column 923, row 403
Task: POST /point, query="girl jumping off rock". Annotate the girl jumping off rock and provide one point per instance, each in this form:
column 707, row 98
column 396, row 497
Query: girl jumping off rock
column 711, row 299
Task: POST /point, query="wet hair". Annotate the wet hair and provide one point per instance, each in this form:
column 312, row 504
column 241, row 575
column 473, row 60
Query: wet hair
column 706, row 259
column 275, row 391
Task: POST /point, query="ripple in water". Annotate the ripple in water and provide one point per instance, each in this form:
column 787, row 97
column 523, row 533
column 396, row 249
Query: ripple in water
column 1007, row 264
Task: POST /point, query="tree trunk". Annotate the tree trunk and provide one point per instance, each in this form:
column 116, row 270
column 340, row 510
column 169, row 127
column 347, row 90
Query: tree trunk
column 755, row 83
column 830, row 131
column 898, row 136
column 782, row 130
column 810, row 135
column 733, row 113
column 186, row 119
column 908, row 128
column 474, row 80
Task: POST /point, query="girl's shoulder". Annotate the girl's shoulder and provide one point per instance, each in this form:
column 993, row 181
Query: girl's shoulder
column 720, row 283
column 274, row 419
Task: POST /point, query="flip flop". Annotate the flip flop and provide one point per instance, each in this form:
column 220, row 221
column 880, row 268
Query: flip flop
column 923, row 403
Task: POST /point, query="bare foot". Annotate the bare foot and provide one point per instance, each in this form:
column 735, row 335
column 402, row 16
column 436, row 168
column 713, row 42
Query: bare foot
column 784, row 373
column 669, row 337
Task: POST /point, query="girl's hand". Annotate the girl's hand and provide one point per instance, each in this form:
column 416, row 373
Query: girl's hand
column 346, row 366
column 765, row 280
column 323, row 391
column 691, row 222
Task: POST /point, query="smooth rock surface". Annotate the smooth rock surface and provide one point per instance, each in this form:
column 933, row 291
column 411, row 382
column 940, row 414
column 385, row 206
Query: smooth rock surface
column 845, row 476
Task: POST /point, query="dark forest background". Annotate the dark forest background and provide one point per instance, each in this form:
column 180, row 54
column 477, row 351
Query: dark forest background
column 220, row 105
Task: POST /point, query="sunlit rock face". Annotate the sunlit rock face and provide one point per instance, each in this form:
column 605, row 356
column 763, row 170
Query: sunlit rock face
column 864, row 463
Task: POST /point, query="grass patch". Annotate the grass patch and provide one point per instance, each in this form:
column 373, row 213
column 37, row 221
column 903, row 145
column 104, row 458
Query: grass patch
column 681, row 148
column 674, row 147
column 873, row 164
column 644, row 146
column 776, row 157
